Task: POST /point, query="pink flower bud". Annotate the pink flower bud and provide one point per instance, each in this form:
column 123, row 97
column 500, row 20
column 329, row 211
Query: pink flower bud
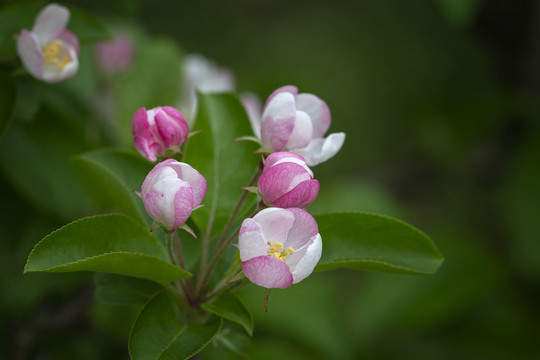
column 279, row 247
column 158, row 130
column 297, row 122
column 171, row 191
column 50, row 51
column 287, row 181
column 115, row 55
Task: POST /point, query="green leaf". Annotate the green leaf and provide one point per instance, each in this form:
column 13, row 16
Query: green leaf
column 107, row 243
column 161, row 333
column 34, row 157
column 229, row 307
column 118, row 289
column 111, row 176
column 366, row 241
column 227, row 165
column 8, row 93
column 155, row 83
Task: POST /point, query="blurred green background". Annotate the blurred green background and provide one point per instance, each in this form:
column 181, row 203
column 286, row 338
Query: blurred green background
column 440, row 103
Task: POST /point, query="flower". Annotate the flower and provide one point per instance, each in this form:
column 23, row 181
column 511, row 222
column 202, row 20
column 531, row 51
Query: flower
column 295, row 122
column 158, row 130
column 171, row 191
column 203, row 75
column 279, row 247
column 115, row 55
column 50, row 51
column 287, row 181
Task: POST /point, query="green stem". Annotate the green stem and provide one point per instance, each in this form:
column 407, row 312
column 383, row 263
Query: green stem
column 221, row 244
column 184, row 284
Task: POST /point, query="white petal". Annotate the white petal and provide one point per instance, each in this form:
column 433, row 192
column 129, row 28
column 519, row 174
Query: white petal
column 251, row 242
column 30, row 53
column 318, row 112
column 302, row 131
column 320, row 150
column 49, row 21
column 304, row 260
column 275, row 223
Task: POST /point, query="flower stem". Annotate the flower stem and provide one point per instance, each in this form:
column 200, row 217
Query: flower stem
column 178, row 260
column 223, row 243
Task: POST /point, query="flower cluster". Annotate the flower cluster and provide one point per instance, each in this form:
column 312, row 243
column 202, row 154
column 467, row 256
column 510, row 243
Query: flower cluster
column 281, row 244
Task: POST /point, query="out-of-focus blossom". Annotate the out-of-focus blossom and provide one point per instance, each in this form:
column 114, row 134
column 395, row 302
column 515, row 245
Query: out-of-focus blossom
column 279, row 247
column 49, row 51
column 116, row 55
column 287, row 181
column 202, row 75
column 171, row 191
column 296, row 122
column 158, row 130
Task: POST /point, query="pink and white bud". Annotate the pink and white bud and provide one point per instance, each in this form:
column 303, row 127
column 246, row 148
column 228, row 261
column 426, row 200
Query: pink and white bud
column 298, row 122
column 158, row 130
column 116, row 55
column 279, row 247
column 171, row 191
column 50, row 51
column 287, row 182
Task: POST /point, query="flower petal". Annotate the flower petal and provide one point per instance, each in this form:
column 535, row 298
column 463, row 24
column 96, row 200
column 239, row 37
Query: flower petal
column 69, row 38
column 193, row 177
column 139, row 122
column 280, row 179
column 30, row 53
column 159, row 172
column 50, row 21
column 275, row 223
column 183, row 205
column 268, row 272
column 160, row 202
column 302, row 131
column 251, row 242
column 171, row 129
column 304, row 261
column 287, row 88
column 252, row 104
column 320, row 150
column 303, row 229
column 53, row 73
column 278, row 121
column 143, row 147
column 317, row 110
column 300, row 197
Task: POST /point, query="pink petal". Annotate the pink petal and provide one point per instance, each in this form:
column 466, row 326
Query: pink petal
column 169, row 130
column 251, row 241
column 268, row 272
column 317, row 110
column 142, row 146
column 302, row 131
column 193, row 177
column 278, row 121
column 299, row 197
column 139, row 123
column 303, row 229
column 282, row 156
column 69, row 38
column 280, row 179
column 30, row 53
column 287, row 88
column 160, row 202
column 320, row 150
column 50, row 21
column 183, row 206
column 158, row 173
column 275, row 223
column 304, row 260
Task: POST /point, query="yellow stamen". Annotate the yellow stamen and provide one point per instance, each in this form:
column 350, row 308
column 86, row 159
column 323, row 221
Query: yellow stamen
column 276, row 250
column 53, row 54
